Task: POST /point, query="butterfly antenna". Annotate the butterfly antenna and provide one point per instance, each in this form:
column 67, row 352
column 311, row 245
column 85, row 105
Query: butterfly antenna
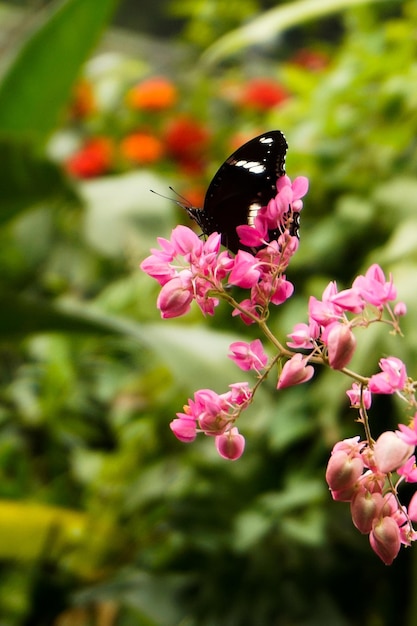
column 182, row 202
column 185, row 202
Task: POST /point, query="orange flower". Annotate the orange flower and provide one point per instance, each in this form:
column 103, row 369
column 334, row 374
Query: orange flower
column 262, row 94
column 141, row 148
column 93, row 159
column 238, row 139
column 83, row 101
column 153, row 94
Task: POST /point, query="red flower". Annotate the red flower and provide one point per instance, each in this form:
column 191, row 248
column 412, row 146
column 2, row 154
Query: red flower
column 153, row 94
column 142, row 148
column 93, row 159
column 262, row 94
column 186, row 137
column 311, row 59
column 186, row 141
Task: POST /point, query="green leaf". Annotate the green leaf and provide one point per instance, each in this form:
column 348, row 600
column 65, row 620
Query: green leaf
column 27, row 179
column 196, row 356
column 38, row 81
column 21, row 315
column 271, row 24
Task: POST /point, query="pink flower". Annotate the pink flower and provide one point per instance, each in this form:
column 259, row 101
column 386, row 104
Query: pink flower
column 365, row 507
column 343, row 470
column 244, row 273
column 341, row 345
column 324, row 311
column 230, row 445
column 409, row 433
column 303, row 335
column 175, row 297
column 248, row 306
column 390, row 452
column 184, row 428
column 277, row 216
column 186, row 242
column 212, row 423
column 211, row 411
column 349, row 300
column 252, row 236
column 409, row 470
column 407, row 534
column 214, row 413
column 373, row 288
column 385, row 539
column 158, row 269
column 400, row 309
column 412, row 507
column 248, row 356
column 281, row 290
column 295, row 371
column 353, row 446
column 372, row 480
column 359, row 395
column 391, row 379
column 240, row 393
column 204, row 400
column 273, row 215
column 298, row 188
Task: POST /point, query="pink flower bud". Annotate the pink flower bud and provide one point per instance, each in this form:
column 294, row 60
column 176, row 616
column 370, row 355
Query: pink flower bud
column 174, row 299
column 184, row 428
column 385, row 539
column 341, row 344
column 364, row 508
column 390, row 452
column 230, row 445
column 400, row 309
column 295, row 371
column 343, row 471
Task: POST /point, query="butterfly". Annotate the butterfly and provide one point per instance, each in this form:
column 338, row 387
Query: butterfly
column 241, row 186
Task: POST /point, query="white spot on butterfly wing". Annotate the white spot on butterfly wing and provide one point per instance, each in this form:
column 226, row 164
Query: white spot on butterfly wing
column 255, row 167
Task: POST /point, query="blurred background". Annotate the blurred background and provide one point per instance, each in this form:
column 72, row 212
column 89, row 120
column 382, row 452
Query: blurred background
column 105, row 518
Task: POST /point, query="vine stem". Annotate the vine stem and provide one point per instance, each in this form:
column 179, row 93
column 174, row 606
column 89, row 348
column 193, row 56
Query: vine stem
column 275, row 342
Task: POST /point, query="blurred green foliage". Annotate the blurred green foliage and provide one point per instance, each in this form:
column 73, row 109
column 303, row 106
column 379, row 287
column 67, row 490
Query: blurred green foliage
column 103, row 514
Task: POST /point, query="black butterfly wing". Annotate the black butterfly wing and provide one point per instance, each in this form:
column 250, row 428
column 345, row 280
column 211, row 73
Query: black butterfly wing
column 245, row 182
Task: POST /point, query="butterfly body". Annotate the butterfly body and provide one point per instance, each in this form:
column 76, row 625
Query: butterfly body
column 241, row 186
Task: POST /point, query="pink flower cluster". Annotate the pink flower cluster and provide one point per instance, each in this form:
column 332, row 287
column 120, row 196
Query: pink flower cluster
column 328, row 334
column 359, row 472
column 362, row 473
column 215, row 415
column 189, row 269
